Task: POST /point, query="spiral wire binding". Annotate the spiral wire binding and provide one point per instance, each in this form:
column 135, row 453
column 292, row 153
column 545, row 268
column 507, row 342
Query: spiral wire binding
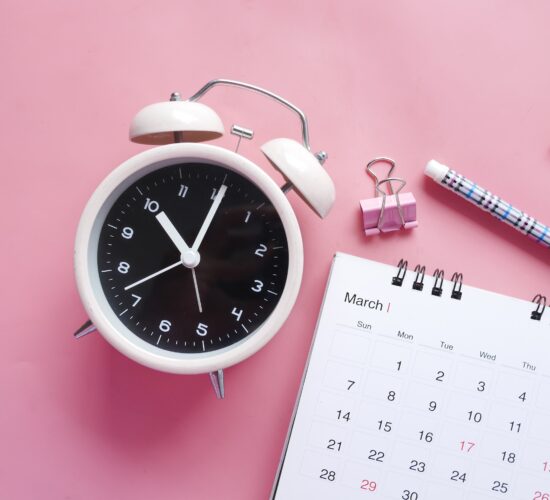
column 540, row 300
column 418, row 283
column 437, row 289
column 439, row 279
column 397, row 280
column 456, row 293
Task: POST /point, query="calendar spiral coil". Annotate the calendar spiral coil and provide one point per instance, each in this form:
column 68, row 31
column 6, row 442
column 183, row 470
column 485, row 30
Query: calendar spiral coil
column 418, row 283
column 397, row 280
column 457, row 280
column 540, row 301
column 420, row 274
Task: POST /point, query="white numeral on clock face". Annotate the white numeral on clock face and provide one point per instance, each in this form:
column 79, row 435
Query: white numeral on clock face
column 123, row 267
column 260, row 251
column 237, row 313
column 127, row 232
column 138, row 298
column 248, row 213
column 202, row 329
column 214, row 193
column 165, row 325
column 151, row 205
column 258, row 286
column 183, row 190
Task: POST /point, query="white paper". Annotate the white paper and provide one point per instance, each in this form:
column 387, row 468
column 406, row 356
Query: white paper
column 411, row 396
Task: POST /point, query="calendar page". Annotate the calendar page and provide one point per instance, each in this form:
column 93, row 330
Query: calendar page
column 412, row 396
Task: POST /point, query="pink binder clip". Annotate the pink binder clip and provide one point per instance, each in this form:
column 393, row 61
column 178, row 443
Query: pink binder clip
column 387, row 212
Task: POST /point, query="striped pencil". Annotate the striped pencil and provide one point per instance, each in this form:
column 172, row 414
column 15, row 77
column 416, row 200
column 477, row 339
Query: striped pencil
column 489, row 202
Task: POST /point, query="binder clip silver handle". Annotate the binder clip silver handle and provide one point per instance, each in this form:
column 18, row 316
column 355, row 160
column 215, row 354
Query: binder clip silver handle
column 388, row 210
column 389, row 180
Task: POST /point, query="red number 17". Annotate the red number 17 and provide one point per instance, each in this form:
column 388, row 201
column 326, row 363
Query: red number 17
column 466, row 446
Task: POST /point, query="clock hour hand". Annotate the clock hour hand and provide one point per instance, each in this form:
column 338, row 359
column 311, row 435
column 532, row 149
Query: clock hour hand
column 190, row 258
column 209, row 217
column 172, row 233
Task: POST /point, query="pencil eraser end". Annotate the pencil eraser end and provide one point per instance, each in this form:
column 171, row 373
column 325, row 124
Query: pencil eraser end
column 437, row 171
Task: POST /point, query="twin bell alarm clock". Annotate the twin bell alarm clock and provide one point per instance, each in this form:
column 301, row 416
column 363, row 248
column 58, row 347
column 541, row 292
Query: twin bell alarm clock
column 188, row 256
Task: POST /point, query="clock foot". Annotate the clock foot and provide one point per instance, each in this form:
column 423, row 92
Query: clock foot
column 85, row 329
column 217, row 383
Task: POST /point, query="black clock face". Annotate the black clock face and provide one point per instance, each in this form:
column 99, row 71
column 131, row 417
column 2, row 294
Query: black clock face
column 192, row 257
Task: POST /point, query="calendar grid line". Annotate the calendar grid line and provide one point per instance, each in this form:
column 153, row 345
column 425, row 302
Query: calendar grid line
column 410, row 440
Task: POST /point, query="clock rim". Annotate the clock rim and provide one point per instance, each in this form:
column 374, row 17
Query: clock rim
column 87, row 273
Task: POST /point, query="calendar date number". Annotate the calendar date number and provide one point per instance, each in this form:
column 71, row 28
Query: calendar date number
column 417, row 466
column 500, row 487
column 328, row 475
column 458, row 476
column 377, row 456
column 367, row 485
column 334, row 445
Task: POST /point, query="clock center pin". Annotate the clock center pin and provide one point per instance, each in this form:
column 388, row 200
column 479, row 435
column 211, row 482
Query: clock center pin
column 190, row 258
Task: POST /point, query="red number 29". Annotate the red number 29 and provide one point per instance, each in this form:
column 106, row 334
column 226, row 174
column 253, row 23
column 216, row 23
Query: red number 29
column 368, row 485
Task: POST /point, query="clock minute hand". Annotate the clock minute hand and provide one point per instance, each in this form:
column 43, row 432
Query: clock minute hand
column 209, row 217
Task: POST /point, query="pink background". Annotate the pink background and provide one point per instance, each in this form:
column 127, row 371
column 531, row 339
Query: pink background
column 464, row 82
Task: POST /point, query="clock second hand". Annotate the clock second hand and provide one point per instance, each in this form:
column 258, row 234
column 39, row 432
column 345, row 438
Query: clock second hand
column 167, row 268
column 202, row 232
column 182, row 246
column 147, row 278
column 189, row 258
column 196, row 289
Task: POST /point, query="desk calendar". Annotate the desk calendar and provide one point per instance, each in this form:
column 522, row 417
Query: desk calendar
column 414, row 396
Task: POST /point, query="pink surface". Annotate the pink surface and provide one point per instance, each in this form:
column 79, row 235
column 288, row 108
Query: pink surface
column 463, row 82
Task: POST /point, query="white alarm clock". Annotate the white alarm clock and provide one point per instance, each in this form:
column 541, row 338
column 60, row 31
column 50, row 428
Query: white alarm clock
column 188, row 256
